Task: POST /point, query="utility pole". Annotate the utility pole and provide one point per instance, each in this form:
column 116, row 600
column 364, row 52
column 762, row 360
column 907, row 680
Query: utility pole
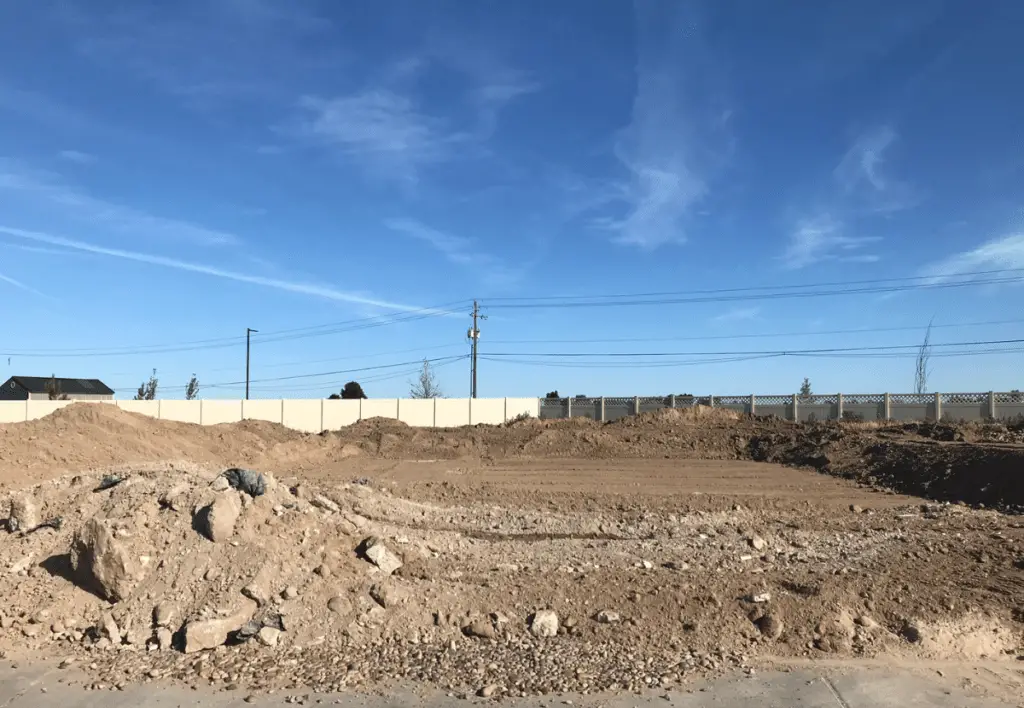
column 474, row 337
column 248, row 332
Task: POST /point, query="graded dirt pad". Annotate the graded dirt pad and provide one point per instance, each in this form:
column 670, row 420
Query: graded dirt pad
column 658, row 570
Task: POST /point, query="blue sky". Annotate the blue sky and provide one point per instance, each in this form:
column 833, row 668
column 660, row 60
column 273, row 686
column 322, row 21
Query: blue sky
column 176, row 172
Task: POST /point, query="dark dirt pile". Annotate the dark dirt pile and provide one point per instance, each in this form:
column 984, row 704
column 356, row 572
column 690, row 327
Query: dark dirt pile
column 349, row 585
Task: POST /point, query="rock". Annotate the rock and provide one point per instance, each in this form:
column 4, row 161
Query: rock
column 217, row 520
column 211, row 574
column 21, row 566
column 31, row 630
column 544, row 623
column 269, row 636
column 323, row 570
column 66, row 663
column 866, row 622
column 380, row 555
column 912, row 633
column 757, row 543
column 110, row 628
column 762, row 597
column 324, row 503
column 101, row 562
column 770, row 626
column 607, row 617
column 249, row 481
column 488, row 691
column 386, row 594
column 339, row 605
column 220, row 484
column 163, row 614
column 212, row 633
column 290, row 593
column 481, row 628
column 856, row 509
column 647, row 565
column 23, row 515
column 164, row 638
column 174, row 498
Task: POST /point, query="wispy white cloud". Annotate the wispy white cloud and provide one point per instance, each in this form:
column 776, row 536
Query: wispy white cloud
column 456, row 249
column 824, row 239
column 738, row 314
column 119, row 217
column 675, row 142
column 77, row 156
column 381, row 129
column 862, row 177
column 322, row 291
column 20, row 285
column 1005, row 252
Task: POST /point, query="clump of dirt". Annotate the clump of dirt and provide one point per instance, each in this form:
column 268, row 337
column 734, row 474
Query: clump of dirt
column 448, row 596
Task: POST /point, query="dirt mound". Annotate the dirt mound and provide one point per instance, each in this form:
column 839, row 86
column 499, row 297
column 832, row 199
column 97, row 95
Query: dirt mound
column 695, row 415
column 446, row 596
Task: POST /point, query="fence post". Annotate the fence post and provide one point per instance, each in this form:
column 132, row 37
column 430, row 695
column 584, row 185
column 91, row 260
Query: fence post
column 796, row 417
column 839, row 406
column 711, row 401
column 938, row 407
column 636, row 405
column 672, row 401
column 568, row 407
column 886, row 407
column 992, row 405
column 753, row 404
column 602, row 409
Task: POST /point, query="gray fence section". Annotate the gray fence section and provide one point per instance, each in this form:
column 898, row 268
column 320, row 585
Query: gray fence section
column 992, row 405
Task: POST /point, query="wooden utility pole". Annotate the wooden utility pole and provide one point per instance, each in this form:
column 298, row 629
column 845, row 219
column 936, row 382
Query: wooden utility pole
column 248, row 332
column 474, row 336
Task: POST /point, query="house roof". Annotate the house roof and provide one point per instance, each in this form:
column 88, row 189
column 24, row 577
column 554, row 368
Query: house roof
column 72, row 387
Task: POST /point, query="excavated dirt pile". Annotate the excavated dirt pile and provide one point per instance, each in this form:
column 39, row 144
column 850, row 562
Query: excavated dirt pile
column 306, row 567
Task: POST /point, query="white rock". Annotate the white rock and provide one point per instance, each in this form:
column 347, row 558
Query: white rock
column 324, row 503
column 269, row 636
column 23, row 515
column 607, row 617
column 544, row 623
column 763, row 597
column 757, row 543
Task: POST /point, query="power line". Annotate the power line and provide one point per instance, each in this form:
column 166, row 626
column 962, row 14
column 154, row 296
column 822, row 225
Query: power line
column 758, row 287
column 803, row 333
column 679, row 300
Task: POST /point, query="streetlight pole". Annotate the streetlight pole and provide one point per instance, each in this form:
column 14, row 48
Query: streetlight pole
column 248, row 346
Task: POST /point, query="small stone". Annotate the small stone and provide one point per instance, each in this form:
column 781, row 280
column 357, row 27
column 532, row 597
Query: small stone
column 57, row 628
column 912, row 633
column 488, row 691
column 212, row 633
column 647, row 565
column 481, row 628
column 770, row 626
column 856, row 509
column 544, row 624
column 762, row 597
column 269, row 636
column 607, row 617
column 21, row 566
column 164, row 638
column 323, row 570
column 163, row 614
column 110, row 628
column 380, row 555
column 290, row 593
column 324, row 503
column 220, row 484
column 66, row 663
column 757, row 543
column 339, row 605
column 866, row 622
column 217, row 520
column 23, row 515
column 386, row 594
column 31, row 630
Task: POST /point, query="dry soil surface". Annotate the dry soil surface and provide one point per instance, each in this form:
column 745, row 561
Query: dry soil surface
column 511, row 560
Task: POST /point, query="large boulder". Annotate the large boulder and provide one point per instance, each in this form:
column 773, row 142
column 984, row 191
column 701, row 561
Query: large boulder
column 101, row 563
column 217, row 520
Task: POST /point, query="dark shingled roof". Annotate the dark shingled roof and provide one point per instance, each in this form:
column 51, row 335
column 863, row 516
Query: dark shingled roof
column 72, row 387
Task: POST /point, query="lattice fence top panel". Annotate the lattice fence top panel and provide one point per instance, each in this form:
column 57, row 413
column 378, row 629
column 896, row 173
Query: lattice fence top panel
column 819, row 400
column 856, row 398
column 552, row 403
column 912, row 398
column 1009, row 397
column 619, row 400
column 732, row 400
column 772, row 400
column 964, row 397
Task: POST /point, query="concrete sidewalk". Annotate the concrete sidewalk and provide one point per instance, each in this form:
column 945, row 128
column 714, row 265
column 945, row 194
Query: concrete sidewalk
column 862, row 688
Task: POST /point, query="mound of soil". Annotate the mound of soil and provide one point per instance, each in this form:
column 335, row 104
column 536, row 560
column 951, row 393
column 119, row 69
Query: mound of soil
column 349, row 585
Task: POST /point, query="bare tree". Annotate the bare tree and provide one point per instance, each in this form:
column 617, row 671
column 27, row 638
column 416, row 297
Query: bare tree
column 53, row 390
column 192, row 388
column 426, row 386
column 147, row 390
column 924, row 355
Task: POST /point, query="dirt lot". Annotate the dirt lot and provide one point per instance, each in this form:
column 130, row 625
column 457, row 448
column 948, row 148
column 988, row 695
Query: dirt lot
column 651, row 551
